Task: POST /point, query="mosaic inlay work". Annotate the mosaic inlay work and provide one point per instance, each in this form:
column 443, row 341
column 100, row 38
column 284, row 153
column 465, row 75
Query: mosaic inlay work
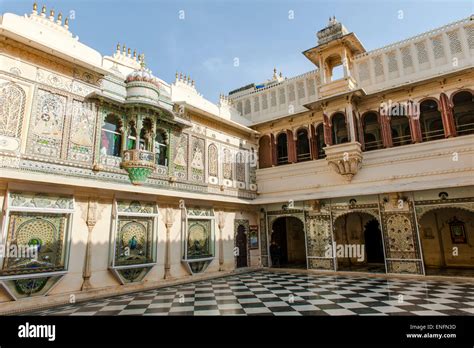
column 319, row 240
column 45, row 233
column 39, row 200
column 240, row 167
column 134, row 238
column 199, row 239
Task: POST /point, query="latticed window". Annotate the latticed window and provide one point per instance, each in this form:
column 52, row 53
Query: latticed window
column 12, row 106
column 300, row 86
column 470, row 36
column 282, row 95
column 421, row 52
column 438, row 49
column 273, row 97
column 239, row 107
column 378, row 67
column 364, row 71
column 454, row 43
column 392, row 61
column 264, row 102
column 406, row 57
column 247, row 109
column 291, row 93
column 311, row 87
column 256, row 104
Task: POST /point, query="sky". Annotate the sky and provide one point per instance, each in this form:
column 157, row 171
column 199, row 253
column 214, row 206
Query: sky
column 227, row 44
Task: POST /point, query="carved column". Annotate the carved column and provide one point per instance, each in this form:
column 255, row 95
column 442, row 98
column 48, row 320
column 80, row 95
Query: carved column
column 220, row 224
column 91, row 214
column 447, row 116
column 168, row 220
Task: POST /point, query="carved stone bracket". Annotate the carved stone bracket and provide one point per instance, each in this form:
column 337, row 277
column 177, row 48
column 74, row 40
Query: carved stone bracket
column 345, row 159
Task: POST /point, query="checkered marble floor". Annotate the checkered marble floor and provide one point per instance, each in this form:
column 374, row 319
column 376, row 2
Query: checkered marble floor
column 268, row 293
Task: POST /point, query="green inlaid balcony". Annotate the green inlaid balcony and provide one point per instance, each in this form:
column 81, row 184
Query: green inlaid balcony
column 139, row 164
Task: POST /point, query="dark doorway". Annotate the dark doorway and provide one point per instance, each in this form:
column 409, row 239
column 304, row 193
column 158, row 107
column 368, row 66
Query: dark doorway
column 359, row 244
column 288, row 234
column 373, row 242
column 241, row 244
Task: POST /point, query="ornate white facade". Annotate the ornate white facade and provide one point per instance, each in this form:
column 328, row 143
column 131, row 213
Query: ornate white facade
column 119, row 180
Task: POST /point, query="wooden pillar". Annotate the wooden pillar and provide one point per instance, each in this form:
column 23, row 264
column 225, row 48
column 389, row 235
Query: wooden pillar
column 447, row 116
column 273, row 150
column 414, row 121
column 385, row 129
column 313, row 143
column 327, row 130
column 291, row 144
column 360, row 130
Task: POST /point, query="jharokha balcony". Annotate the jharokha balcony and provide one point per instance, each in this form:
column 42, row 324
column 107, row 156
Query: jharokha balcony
column 139, row 164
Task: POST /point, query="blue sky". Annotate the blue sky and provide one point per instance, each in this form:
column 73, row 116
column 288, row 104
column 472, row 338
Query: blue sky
column 260, row 33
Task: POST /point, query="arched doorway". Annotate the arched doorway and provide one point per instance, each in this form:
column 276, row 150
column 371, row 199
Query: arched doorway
column 447, row 236
column 289, row 238
column 359, row 244
column 241, row 244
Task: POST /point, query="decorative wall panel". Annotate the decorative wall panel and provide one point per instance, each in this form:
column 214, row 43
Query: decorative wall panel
column 82, row 132
column 402, row 249
column 197, row 159
column 46, row 128
column 213, row 160
column 12, row 109
column 319, row 242
column 180, row 156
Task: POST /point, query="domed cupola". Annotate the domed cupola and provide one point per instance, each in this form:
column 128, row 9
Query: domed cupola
column 142, row 86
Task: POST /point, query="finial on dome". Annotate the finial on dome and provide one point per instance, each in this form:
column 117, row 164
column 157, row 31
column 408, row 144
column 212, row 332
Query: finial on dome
column 60, row 16
column 135, row 54
column 180, row 75
column 118, row 47
column 66, row 23
column 129, row 52
column 35, row 8
column 43, row 10
column 51, row 14
column 124, row 49
column 192, row 83
column 176, row 75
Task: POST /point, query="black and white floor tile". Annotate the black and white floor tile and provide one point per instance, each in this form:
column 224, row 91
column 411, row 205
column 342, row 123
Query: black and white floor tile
column 275, row 293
